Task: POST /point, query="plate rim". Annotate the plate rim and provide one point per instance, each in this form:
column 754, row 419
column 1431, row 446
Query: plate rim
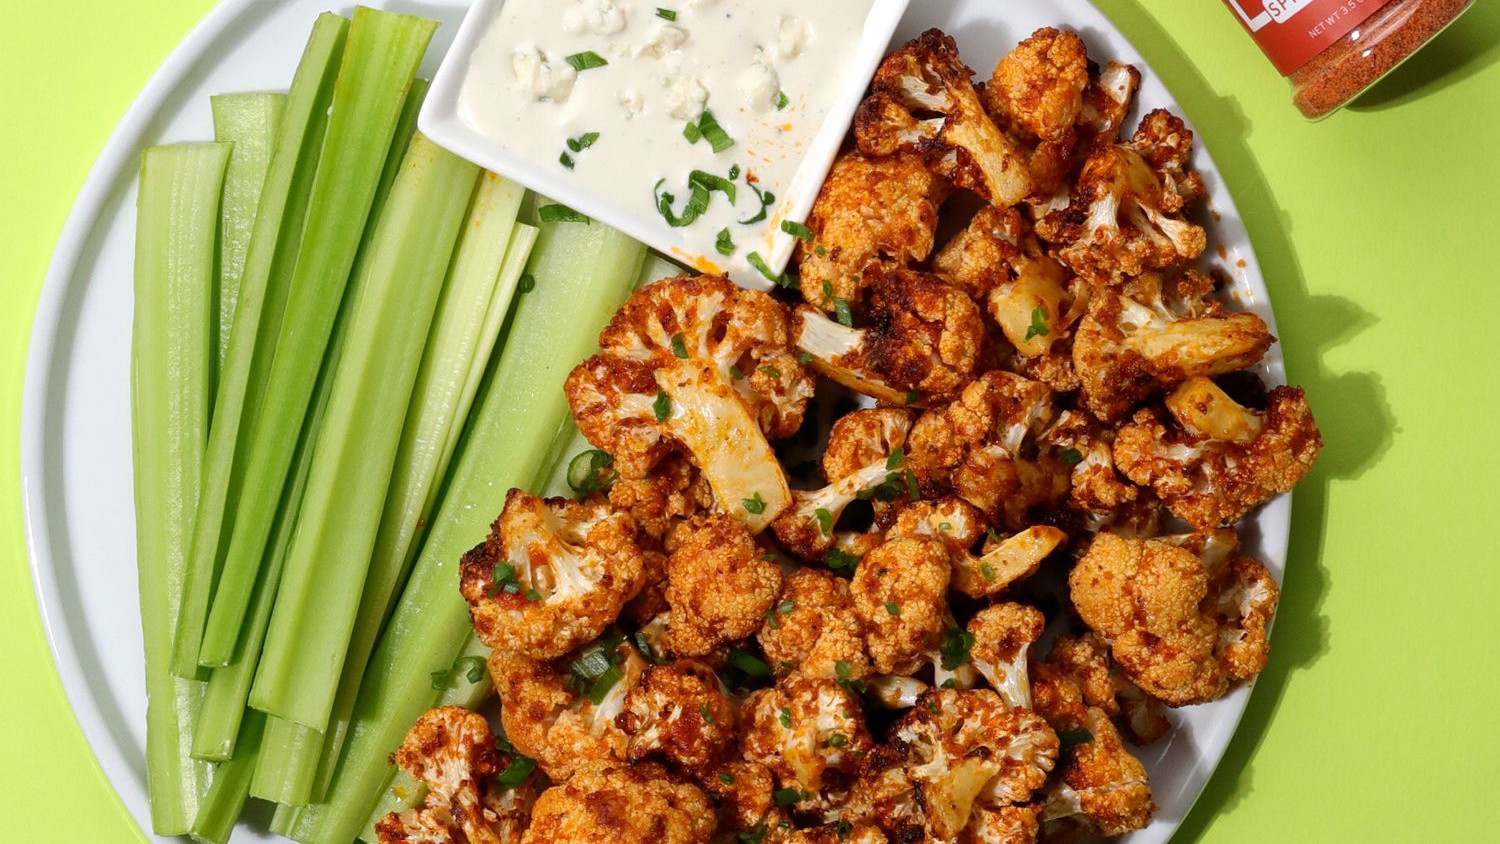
column 113, row 159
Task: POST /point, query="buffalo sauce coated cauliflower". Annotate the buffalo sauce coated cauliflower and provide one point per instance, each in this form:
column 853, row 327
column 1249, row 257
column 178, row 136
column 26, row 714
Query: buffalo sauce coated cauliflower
column 926, row 77
column 811, row 734
column 835, row 833
column 978, row 258
column 672, row 494
column 1084, row 661
column 858, row 463
column 1107, row 100
column 984, row 447
column 557, row 714
column 701, row 365
column 1165, row 331
column 960, row 526
column 921, row 335
column 812, row 628
column 678, row 713
column 1003, row 634
column 1036, row 92
column 953, row 760
column 452, row 751
column 1220, row 460
column 901, row 598
column 551, row 575
column 1178, row 626
column 871, row 210
column 718, row 586
column 632, row 803
column 1125, row 215
column 745, row 794
column 1096, row 486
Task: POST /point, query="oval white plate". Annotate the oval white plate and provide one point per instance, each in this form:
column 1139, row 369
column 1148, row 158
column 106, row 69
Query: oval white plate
column 75, row 428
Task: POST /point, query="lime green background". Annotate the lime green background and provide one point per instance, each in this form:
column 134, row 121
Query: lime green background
column 1377, row 230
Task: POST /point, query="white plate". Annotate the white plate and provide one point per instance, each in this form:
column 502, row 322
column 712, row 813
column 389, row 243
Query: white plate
column 75, row 427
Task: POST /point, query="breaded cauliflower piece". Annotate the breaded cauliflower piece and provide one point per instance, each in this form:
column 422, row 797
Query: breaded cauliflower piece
column 1084, row 660
column 978, row 258
column 1125, row 216
column 678, row 713
column 452, row 751
column 1130, row 347
column 813, row 628
column 631, row 803
column 922, row 335
column 810, row 732
column 900, row 595
column 960, row 525
column 1220, row 460
column 1095, row 485
column 984, row 447
column 1003, row 635
column 871, row 210
column 859, row 462
column 718, row 586
column 1107, row 101
column 745, row 794
column 926, row 76
column 549, row 718
column 1181, row 619
column 672, row 494
column 1036, row 92
column 701, row 366
column 952, row 758
column 551, row 575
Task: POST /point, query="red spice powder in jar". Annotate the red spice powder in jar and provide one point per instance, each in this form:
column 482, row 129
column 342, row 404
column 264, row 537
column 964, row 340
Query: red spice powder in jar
column 1334, row 50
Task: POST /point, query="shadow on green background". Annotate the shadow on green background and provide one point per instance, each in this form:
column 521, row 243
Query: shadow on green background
column 1351, row 407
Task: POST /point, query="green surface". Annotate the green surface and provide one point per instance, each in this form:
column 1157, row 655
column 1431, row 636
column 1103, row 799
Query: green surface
column 1376, row 230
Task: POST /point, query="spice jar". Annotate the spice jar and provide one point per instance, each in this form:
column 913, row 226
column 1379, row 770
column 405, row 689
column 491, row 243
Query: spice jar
column 1334, row 50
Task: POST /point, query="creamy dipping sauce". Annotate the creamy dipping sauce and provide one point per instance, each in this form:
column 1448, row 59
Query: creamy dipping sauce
column 695, row 112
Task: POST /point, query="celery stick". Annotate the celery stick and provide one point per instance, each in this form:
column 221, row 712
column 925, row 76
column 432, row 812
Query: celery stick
column 377, row 67
column 405, row 791
column 288, row 766
column 582, row 272
column 658, row 267
column 352, row 465
column 264, row 287
column 482, row 276
column 284, row 821
column 171, row 359
column 252, row 122
column 225, row 798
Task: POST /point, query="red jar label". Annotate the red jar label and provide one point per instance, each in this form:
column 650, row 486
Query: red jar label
column 1291, row 32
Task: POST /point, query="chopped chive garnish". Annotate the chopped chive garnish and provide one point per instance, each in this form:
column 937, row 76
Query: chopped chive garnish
column 804, row 358
column 771, row 371
column 692, row 133
column 1071, row 456
column 892, row 607
column 749, row 664
column 987, row 570
column 756, row 505
column 786, row 606
column 697, row 203
column 583, row 142
column 557, row 213
column 533, row 596
column 679, row 346
column 957, row 643
column 912, row 396
column 516, row 772
column 842, row 313
column 767, row 199
column 787, row 796
column 837, row 740
column 726, row 778
column 785, row 717
column 662, row 407
column 712, row 132
column 822, row 251
column 704, row 713
column 840, row 560
column 725, row 244
column 825, row 520
column 844, row 675
column 586, row 60
column 898, row 457
column 1074, row 737
column 710, row 182
column 527, row 283
column 666, row 14
column 797, row 230
column 781, row 100
column 565, row 160
column 736, row 373
column 1038, row 327
column 784, row 280
column 606, row 681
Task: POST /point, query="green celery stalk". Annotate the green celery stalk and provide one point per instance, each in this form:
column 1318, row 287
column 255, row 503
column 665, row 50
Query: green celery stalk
column 378, row 65
column 287, row 769
column 405, row 791
column 459, row 343
column 172, row 352
column 252, row 122
column 327, row 566
column 264, row 287
column 582, row 272
column 225, row 798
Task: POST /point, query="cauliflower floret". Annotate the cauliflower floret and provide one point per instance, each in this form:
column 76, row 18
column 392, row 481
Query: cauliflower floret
column 1084, row 660
column 1173, row 612
column 921, row 335
column 870, row 211
column 640, row 802
column 700, row 365
column 452, row 751
column 900, row 594
column 1220, row 460
column 677, row 712
column 1036, row 92
column 835, row 833
column 1107, row 101
column 745, row 794
column 984, row 447
column 672, row 494
column 1128, row 348
column 978, row 258
column 951, row 757
column 562, row 714
column 1003, row 634
column 864, row 460
column 924, row 77
column 1167, row 145
column 960, row 526
column 812, row 629
column 1124, row 217
column 1095, row 485
column 718, row 586
column 810, row 732
column 551, row 575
